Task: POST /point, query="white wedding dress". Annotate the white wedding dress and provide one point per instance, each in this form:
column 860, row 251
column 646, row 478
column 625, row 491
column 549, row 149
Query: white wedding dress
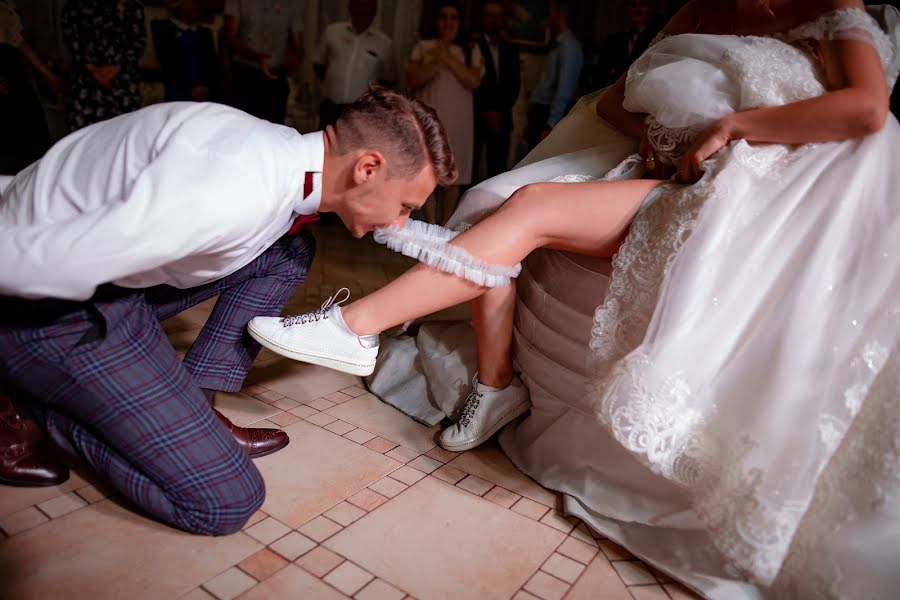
column 741, row 424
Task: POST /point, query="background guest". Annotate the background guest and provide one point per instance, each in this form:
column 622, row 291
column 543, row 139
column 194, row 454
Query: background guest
column 351, row 55
column 621, row 49
column 444, row 71
column 186, row 52
column 25, row 135
column 105, row 39
column 555, row 92
column 499, row 89
column 266, row 40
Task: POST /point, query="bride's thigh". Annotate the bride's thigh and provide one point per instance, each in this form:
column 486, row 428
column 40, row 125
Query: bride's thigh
column 587, row 218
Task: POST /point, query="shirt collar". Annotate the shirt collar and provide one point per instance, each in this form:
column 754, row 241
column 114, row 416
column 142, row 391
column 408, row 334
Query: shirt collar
column 366, row 31
column 313, row 159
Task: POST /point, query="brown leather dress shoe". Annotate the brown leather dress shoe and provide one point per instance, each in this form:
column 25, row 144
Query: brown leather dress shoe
column 256, row 442
column 25, row 459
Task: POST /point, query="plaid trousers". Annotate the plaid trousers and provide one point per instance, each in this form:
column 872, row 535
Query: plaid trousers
column 111, row 390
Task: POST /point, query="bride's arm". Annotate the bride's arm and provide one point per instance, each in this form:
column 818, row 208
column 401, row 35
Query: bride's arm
column 856, row 104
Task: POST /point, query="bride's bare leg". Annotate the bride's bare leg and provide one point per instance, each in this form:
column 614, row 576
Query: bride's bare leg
column 588, row 218
column 492, row 318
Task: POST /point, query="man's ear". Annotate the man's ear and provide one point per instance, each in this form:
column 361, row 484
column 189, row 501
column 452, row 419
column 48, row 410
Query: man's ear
column 368, row 167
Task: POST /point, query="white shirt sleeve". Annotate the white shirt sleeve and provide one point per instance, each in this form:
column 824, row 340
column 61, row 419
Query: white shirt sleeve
column 184, row 203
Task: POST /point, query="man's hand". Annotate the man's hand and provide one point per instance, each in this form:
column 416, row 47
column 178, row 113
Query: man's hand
column 103, row 75
column 493, row 121
column 199, row 93
column 263, row 60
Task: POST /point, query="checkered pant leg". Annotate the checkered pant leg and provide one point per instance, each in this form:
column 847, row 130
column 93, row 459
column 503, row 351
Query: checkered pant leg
column 111, row 387
column 223, row 352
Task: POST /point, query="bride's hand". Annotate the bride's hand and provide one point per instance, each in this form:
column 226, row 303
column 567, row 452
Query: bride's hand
column 714, row 138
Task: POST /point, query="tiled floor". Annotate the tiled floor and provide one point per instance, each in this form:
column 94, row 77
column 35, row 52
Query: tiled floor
column 361, row 504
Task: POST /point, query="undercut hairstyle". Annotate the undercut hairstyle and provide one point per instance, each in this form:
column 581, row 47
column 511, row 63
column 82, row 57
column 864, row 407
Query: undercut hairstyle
column 405, row 130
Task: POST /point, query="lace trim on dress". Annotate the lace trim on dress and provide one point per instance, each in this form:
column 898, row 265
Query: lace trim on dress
column 429, row 244
column 848, row 24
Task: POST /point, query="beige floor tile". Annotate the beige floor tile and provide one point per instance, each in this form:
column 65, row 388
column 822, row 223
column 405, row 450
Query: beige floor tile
column 599, row 581
column 546, row 586
column 242, row 409
column 62, row 505
column 354, row 391
column 577, row 550
column 451, row 475
column 557, row 520
column 230, row 584
column 613, row 551
column 633, row 572
column 523, row 595
column 267, row 531
column 14, row 499
column 320, row 561
column 367, row 499
column 340, row 427
column 348, row 578
column 660, row 576
column 108, row 550
column 321, row 419
column 439, row 454
column 425, row 464
column 316, row 471
column 284, row 419
column 320, row 529
column 407, row 475
column 269, row 396
column 254, row 519
column 263, row 564
column 300, row 381
column 563, row 567
column 293, row 545
column 198, row 594
column 415, row 539
column 530, row 509
column 320, row 404
column 23, row 520
column 388, row 487
column 286, row 404
column 360, row 436
column 475, row 485
column 583, row 534
column 304, row 412
column 92, row 493
column 369, row 413
column 338, row 397
column 488, row 462
column 501, row 496
column 677, row 591
column 345, row 513
column 292, row 582
column 648, row 592
column 403, row 454
column 379, row 589
column 379, row 444
column 182, row 340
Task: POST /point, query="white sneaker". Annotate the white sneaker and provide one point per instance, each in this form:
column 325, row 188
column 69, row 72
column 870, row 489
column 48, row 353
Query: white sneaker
column 486, row 410
column 321, row 338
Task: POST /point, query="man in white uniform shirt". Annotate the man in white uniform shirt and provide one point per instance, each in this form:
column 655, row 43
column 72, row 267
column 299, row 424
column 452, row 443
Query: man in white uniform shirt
column 129, row 221
column 352, row 55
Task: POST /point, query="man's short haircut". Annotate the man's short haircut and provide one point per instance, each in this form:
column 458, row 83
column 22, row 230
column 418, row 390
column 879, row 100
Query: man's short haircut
column 405, row 130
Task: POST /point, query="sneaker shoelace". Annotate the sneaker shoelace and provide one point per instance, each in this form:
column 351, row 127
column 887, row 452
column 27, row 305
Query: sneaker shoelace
column 317, row 315
column 473, row 401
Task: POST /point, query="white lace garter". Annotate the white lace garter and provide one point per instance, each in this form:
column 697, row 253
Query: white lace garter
column 429, row 244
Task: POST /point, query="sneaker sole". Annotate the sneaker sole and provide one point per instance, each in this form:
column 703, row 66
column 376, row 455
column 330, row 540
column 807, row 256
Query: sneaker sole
column 314, row 359
column 517, row 411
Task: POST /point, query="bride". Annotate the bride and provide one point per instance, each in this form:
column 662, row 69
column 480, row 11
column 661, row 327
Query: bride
column 746, row 359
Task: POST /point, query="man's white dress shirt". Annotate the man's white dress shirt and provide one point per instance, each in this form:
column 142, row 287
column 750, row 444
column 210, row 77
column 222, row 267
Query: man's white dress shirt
column 180, row 193
column 352, row 61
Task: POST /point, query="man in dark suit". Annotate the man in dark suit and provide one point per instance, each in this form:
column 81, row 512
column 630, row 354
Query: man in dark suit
column 498, row 92
column 187, row 53
column 621, row 49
